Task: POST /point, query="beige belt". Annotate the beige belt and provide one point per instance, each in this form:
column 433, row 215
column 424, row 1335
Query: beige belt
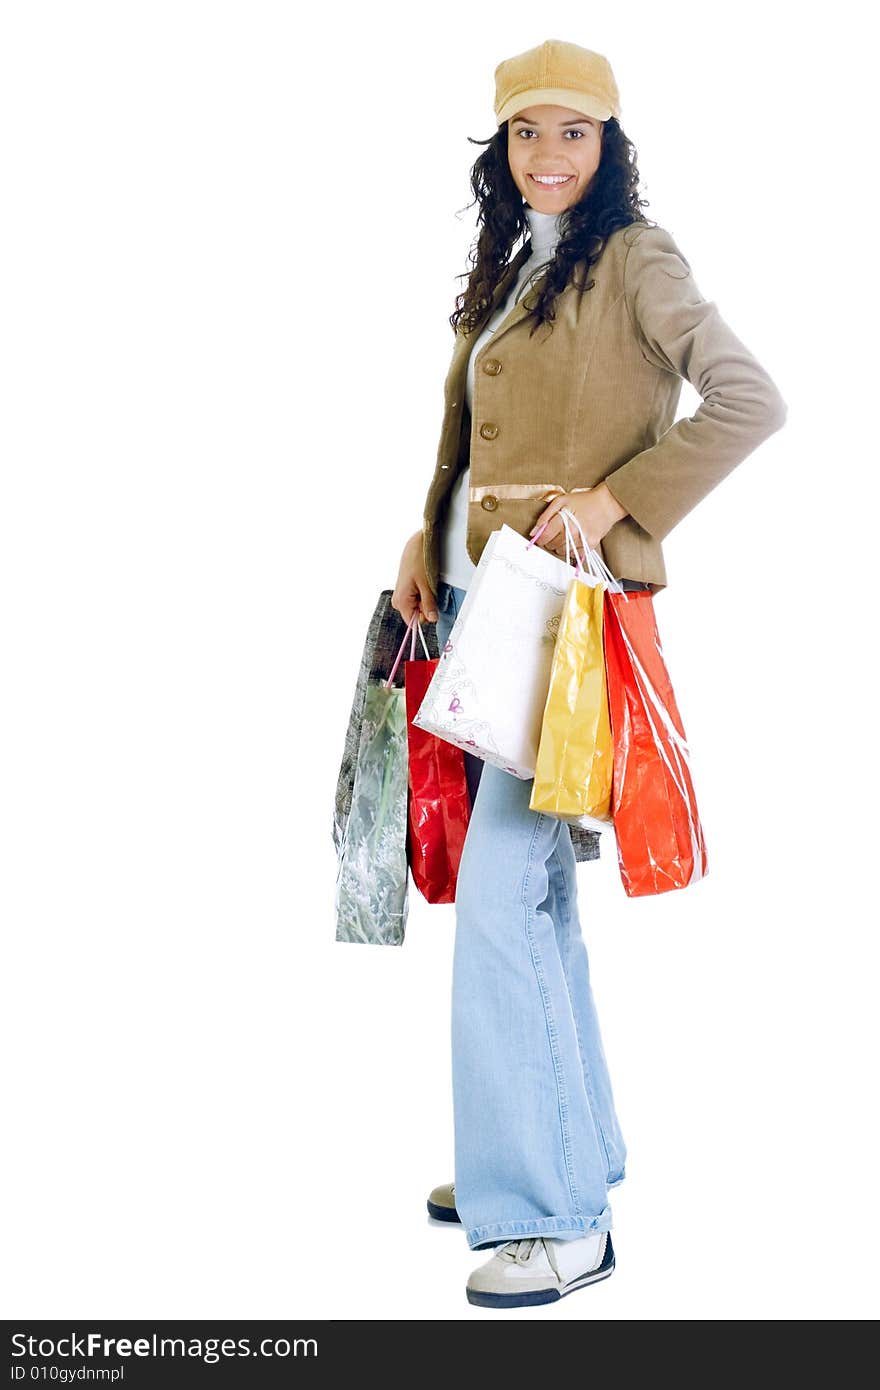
column 522, row 491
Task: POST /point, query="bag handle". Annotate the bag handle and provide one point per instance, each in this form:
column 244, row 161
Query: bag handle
column 595, row 564
column 569, row 544
column 592, row 570
column 410, row 632
column 571, row 548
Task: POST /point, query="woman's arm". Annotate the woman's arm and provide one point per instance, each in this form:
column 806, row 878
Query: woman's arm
column 682, row 332
column 412, row 592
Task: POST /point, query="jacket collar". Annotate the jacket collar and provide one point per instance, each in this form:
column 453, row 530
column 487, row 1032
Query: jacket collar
column 465, row 341
column 500, row 293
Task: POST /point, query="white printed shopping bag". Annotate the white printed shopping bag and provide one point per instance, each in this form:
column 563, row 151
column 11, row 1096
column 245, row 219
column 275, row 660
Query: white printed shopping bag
column 488, row 692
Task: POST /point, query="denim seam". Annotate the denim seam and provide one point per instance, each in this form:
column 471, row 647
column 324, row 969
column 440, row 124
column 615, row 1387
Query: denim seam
column 542, row 1225
column 561, row 1095
column 594, row 1108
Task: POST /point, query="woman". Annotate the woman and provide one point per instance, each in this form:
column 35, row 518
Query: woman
column 566, row 371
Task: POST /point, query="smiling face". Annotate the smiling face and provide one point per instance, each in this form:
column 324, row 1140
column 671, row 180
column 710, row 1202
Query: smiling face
column 552, row 140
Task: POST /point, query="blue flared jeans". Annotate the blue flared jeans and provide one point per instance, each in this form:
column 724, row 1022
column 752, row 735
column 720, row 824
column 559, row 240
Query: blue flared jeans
column 537, row 1141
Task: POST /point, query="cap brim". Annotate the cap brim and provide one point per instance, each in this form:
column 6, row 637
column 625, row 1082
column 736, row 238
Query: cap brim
column 554, row 96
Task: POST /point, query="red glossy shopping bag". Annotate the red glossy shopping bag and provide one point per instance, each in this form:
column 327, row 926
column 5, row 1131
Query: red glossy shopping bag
column 439, row 801
column 660, row 842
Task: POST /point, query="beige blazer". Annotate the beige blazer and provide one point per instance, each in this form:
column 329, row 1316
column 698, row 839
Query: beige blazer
column 595, row 398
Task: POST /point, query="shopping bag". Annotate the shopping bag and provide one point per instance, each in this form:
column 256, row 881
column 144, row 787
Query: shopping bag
column 488, row 692
column 574, row 761
column 382, row 639
column 439, row 801
column 660, row 842
column 372, row 872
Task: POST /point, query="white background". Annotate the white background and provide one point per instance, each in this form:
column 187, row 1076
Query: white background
column 230, row 246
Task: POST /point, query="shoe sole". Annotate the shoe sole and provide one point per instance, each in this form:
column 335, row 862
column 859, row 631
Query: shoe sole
column 443, row 1213
column 528, row 1300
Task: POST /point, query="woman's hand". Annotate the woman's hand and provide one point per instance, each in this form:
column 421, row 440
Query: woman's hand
column 596, row 510
column 412, row 593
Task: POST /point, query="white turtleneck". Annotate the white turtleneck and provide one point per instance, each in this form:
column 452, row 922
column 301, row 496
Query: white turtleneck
column 455, row 565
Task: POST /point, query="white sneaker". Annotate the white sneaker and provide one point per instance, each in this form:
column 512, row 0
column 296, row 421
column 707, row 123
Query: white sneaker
column 441, row 1203
column 540, row 1269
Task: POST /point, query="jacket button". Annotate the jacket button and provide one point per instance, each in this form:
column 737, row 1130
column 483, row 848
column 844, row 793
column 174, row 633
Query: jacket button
column 489, row 503
column 491, row 366
column 488, row 431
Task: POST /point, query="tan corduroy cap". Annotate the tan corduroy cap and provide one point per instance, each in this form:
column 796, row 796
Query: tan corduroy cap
column 558, row 74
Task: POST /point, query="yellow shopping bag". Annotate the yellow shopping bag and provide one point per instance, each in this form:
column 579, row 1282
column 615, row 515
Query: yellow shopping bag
column 575, row 753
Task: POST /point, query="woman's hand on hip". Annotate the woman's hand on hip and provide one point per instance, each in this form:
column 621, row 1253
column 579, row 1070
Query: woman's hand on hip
column 596, row 510
column 412, row 592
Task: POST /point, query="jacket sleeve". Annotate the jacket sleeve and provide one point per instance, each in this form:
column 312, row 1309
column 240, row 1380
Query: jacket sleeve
column 680, row 331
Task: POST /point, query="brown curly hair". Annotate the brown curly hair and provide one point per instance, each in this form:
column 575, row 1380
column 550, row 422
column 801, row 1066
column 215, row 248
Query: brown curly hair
column 611, row 201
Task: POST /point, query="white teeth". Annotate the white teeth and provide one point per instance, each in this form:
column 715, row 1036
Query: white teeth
column 552, row 178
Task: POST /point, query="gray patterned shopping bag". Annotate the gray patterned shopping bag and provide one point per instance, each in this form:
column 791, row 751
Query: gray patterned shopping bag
column 372, row 879
column 385, row 632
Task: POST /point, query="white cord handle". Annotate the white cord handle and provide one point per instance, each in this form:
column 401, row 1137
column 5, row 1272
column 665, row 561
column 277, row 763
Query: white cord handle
column 585, row 573
column 594, row 562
